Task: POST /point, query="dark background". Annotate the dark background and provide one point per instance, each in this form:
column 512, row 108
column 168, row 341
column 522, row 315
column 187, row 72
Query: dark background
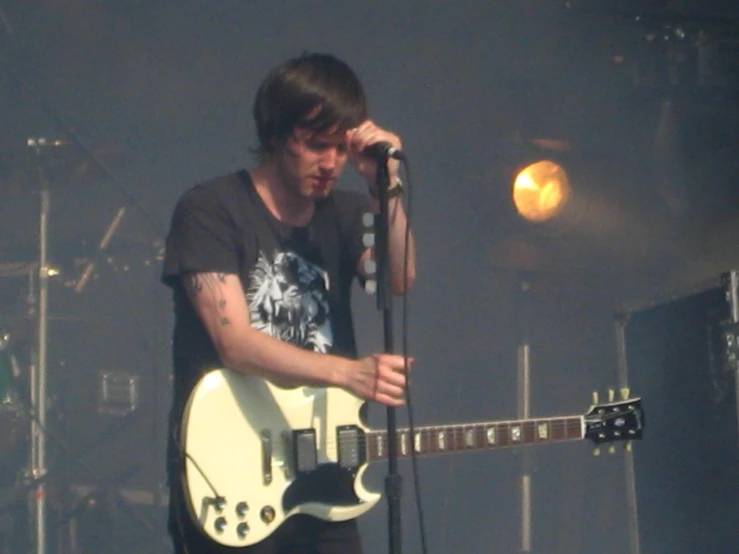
column 641, row 97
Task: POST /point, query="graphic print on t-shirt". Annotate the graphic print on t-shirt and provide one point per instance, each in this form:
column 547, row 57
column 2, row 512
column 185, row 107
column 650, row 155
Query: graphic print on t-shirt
column 288, row 299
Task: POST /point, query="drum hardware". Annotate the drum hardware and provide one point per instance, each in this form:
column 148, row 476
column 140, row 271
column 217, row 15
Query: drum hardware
column 119, row 392
column 47, row 160
column 118, row 396
column 28, row 480
column 38, row 307
column 11, row 432
column 102, row 247
column 64, row 164
column 101, row 494
column 16, row 269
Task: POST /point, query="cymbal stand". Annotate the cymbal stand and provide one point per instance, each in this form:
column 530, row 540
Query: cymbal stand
column 524, row 401
column 38, row 366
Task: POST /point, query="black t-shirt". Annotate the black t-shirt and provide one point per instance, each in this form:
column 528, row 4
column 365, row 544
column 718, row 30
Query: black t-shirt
column 297, row 279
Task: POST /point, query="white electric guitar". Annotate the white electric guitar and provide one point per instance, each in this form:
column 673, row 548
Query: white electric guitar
column 256, row 454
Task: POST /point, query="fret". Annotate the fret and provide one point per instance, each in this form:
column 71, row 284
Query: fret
column 559, row 430
column 418, row 442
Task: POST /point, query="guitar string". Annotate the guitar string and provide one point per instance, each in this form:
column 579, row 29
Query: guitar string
column 458, row 432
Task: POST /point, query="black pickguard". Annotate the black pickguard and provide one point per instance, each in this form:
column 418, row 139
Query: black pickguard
column 328, row 484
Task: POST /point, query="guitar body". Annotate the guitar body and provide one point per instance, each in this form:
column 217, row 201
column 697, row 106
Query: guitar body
column 257, row 454
column 240, row 467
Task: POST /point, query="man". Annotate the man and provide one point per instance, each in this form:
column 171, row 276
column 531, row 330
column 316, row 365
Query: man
column 261, row 265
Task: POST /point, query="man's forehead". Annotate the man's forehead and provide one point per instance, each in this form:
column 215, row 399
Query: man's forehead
column 334, row 134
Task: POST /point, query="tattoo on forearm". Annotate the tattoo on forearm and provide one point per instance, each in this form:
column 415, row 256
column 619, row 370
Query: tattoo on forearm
column 211, row 283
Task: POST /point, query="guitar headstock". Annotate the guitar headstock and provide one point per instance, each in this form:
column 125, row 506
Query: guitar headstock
column 621, row 420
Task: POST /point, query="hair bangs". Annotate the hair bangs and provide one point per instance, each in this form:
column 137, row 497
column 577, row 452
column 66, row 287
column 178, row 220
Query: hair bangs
column 317, row 92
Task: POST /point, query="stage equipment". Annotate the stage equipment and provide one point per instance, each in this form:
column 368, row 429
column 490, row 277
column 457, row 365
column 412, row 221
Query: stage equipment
column 523, row 313
column 31, row 171
column 11, row 422
column 76, row 416
column 679, row 350
column 541, row 190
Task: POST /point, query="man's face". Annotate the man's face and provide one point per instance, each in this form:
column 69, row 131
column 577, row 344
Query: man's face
column 310, row 164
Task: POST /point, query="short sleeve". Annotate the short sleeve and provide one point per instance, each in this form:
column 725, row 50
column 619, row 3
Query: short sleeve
column 202, row 236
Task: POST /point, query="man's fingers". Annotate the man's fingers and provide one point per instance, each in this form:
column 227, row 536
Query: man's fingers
column 391, row 401
column 391, row 389
column 396, row 363
column 387, row 381
column 393, row 376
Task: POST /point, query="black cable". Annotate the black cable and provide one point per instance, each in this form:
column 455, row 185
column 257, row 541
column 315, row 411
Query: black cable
column 185, row 455
column 404, row 348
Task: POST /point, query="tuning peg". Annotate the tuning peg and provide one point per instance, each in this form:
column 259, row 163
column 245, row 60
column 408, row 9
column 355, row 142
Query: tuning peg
column 612, row 449
column 595, row 397
column 627, row 446
column 625, row 393
column 611, row 395
column 596, row 451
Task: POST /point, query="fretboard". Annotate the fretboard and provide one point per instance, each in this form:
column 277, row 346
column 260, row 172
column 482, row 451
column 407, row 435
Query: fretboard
column 476, row 436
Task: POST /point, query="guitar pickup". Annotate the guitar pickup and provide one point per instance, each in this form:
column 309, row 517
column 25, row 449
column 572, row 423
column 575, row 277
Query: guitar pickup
column 304, row 451
column 349, row 437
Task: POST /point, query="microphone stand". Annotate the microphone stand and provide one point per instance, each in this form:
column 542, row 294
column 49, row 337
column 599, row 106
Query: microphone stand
column 38, row 367
column 393, row 480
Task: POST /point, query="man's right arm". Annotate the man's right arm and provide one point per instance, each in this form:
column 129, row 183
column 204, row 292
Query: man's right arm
column 220, row 302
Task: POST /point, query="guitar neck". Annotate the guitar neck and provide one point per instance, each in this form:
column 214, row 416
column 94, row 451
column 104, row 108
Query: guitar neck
column 476, row 436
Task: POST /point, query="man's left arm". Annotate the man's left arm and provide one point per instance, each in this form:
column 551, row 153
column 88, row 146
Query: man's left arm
column 402, row 260
column 397, row 252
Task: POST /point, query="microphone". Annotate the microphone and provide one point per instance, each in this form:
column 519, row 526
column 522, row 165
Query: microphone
column 382, row 152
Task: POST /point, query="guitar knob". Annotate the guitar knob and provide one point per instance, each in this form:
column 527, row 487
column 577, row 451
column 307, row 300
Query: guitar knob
column 221, row 524
column 267, row 514
column 242, row 530
column 220, row 504
column 241, row 509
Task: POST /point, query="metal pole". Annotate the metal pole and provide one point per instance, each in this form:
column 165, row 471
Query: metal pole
column 623, row 379
column 38, row 377
column 733, row 297
column 524, row 408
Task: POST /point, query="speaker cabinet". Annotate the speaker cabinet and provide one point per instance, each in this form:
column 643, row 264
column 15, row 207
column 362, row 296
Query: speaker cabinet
column 679, row 357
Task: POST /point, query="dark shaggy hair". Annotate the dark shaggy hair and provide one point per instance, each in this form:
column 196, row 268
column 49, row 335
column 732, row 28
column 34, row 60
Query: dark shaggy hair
column 292, row 91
